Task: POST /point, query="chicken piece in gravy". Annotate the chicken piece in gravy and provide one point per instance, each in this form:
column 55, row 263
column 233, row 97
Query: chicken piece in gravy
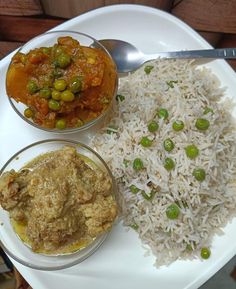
column 60, row 202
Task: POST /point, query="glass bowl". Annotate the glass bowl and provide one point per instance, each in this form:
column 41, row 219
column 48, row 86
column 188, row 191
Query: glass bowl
column 49, row 39
column 10, row 241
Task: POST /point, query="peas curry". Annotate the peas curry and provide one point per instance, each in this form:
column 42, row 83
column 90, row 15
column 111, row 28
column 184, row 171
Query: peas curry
column 63, row 86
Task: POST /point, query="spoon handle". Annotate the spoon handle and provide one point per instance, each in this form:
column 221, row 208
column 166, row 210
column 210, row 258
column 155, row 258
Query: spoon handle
column 229, row 53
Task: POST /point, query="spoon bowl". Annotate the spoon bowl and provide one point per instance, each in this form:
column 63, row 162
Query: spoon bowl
column 128, row 58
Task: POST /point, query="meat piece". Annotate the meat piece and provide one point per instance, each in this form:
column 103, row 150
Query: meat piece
column 99, row 215
column 12, row 190
column 61, row 198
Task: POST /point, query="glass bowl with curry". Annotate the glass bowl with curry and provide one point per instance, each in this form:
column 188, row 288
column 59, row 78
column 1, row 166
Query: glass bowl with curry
column 58, row 203
column 62, row 82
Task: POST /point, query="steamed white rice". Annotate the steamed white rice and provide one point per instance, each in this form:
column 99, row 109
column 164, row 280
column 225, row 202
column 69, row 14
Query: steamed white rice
column 205, row 207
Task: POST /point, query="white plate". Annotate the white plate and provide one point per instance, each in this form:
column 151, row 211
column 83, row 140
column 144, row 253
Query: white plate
column 120, row 262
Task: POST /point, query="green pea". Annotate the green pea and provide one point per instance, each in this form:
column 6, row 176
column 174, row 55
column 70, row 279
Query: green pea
column 146, row 142
column 56, row 95
column 57, row 73
column 191, row 151
column 168, row 145
column 148, row 69
column 46, row 50
column 120, row 97
column 67, row 96
column 32, row 87
column 207, row 110
column 60, row 124
column 134, row 189
column 63, row 60
column 75, row 85
column 53, row 104
column 169, row 164
column 172, row 212
column 153, row 126
column 163, row 113
column 28, row 112
column 205, row 253
column 178, row 125
column 45, row 92
column 138, row 164
column 199, row 174
column 57, row 50
column 60, row 84
column 202, row 124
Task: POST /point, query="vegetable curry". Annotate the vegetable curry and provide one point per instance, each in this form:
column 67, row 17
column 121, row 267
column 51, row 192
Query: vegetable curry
column 63, row 86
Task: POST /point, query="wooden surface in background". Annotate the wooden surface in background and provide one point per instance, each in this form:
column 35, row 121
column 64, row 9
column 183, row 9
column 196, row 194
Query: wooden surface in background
column 215, row 20
column 20, row 7
column 214, row 16
column 73, row 8
column 6, row 47
column 22, row 29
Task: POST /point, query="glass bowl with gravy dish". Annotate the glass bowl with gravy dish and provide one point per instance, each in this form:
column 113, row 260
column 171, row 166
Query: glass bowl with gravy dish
column 62, row 82
column 58, row 204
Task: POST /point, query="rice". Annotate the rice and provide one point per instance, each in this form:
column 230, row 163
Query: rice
column 205, row 207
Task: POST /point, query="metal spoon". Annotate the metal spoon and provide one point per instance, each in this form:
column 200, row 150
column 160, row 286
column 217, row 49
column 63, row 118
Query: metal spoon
column 128, row 58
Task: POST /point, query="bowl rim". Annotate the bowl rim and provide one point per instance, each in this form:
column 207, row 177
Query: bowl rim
column 100, row 238
column 96, row 246
column 70, row 130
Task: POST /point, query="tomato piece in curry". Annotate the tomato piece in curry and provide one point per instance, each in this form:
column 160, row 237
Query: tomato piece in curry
column 63, row 86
